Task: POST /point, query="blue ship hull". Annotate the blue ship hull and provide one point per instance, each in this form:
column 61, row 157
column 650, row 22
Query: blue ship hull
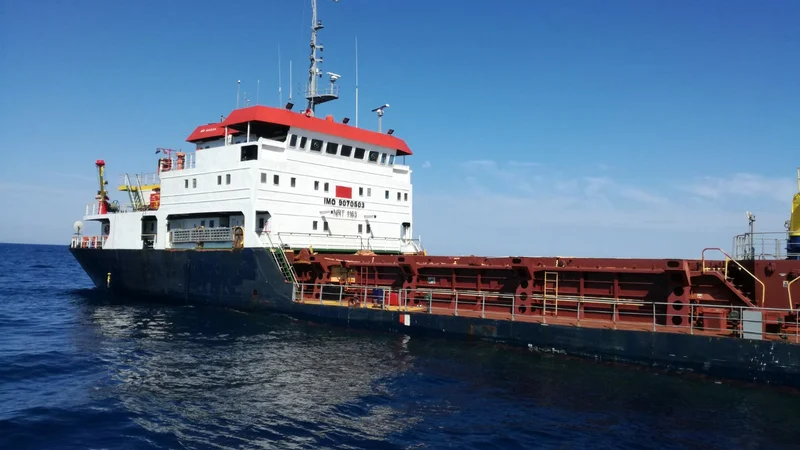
column 249, row 279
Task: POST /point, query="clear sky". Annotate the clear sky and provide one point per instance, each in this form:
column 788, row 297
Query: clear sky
column 613, row 128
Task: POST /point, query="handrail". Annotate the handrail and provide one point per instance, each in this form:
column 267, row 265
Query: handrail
column 346, row 236
column 789, row 291
column 727, row 258
column 283, row 255
column 484, row 305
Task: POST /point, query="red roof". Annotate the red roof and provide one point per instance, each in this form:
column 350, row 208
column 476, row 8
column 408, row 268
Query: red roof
column 210, row 131
column 299, row 120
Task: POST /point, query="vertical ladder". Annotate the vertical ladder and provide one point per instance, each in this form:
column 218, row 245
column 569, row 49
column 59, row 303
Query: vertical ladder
column 550, row 290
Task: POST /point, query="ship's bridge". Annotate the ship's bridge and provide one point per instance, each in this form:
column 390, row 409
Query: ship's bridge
column 253, row 122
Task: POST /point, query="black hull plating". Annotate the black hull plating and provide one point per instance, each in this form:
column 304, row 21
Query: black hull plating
column 249, row 279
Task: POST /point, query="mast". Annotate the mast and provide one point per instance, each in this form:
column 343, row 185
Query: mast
column 313, row 94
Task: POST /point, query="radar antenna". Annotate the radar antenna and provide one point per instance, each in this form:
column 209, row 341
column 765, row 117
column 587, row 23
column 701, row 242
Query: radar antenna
column 314, row 95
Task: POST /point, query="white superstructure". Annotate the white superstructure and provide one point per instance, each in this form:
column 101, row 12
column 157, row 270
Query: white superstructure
column 268, row 176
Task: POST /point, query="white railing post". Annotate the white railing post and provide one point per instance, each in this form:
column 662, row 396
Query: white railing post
column 513, row 306
column 321, row 292
column 483, row 306
column 544, row 307
column 456, row 310
column 614, row 312
column 654, row 316
column 341, row 291
column 691, row 318
column 579, row 310
column 430, row 304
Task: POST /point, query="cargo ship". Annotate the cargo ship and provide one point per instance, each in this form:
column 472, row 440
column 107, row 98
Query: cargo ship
column 276, row 209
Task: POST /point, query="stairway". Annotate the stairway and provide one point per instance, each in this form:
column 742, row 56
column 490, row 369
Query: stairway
column 279, row 255
column 731, row 283
column 286, row 268
column 135, row 193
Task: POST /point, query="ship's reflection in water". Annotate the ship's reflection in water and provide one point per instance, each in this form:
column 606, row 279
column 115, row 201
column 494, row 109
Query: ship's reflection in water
column 204, row 377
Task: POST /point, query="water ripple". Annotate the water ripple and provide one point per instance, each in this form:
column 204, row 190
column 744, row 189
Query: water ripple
column 80, row 369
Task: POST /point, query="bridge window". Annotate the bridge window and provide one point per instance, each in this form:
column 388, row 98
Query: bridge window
column 398, row 196
column 292, row 181
column 373, row 156
column 359, row 153
column 387, row 195
column 316, row 185
column 369, row 229
column 186, row 183
column 332, row 148
column 383, row 158
column 227, row 178
column 405, row 196
column 326, row 187
column 211, row 223
column 346, row 149
column 325, row 225
column 194, row 182
column 361, row 192
column 314, row 225
column 316, row 145
column 391, row 160
column 303, row 140
column 276, row 180
column 249, row 152
column 369, row 192
column 263, row 177
column 293, row 141
column 360, row 228
column 219, row 180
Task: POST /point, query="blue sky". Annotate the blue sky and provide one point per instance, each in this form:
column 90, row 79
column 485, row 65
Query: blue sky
column 615, row 128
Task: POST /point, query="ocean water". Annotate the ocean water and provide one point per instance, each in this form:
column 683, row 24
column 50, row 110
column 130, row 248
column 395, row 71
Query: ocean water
column 81, row 369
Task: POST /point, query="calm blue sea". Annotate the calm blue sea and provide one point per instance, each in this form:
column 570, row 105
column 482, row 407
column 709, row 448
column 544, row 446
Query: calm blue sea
column 79, row 369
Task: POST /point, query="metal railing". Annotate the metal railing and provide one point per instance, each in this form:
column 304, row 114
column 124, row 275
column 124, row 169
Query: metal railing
column 631, row 314
column 392, row 243
column 79, row 241
column 196, row 235
column 175, row 163
column 145, row 179
column 728, row 258
column 325, row 91
column 767, row 245
column 348, row 241
column 295, row 240
column 93, row 209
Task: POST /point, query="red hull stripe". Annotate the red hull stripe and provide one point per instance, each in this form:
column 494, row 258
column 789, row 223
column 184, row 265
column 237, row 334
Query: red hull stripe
column 344, row 192
column 239, row 118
